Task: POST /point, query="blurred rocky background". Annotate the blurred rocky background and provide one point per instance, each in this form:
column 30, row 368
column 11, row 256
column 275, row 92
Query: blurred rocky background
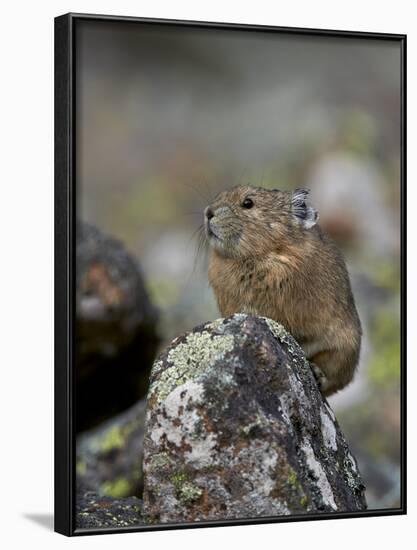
column 116, row 328
column 166, row 118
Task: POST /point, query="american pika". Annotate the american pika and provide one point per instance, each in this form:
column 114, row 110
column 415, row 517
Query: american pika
column 269, row 257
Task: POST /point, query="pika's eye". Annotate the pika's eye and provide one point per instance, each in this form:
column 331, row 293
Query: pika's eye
column 247, row 203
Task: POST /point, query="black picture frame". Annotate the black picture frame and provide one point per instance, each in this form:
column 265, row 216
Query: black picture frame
column 65, row 219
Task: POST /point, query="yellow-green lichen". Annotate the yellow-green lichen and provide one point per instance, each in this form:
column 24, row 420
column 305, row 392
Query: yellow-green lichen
column 277, row 330
column 117, row 488
column 178, row 480
column 286, row 338
column 112, row 439
column 296, row 489
column 187, row 492
column 292, row 478
column 189, row 360
column 215, row 325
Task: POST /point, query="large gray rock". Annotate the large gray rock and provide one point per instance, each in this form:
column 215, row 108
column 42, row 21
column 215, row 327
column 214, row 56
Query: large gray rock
column 237, row 428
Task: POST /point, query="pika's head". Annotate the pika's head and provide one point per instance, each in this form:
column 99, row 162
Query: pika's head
column 247, row 221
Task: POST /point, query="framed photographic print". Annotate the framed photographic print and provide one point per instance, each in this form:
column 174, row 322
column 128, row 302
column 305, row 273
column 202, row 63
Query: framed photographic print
column 230, row 274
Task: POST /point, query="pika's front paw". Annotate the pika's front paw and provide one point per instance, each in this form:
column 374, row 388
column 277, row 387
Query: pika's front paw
column 320, row 377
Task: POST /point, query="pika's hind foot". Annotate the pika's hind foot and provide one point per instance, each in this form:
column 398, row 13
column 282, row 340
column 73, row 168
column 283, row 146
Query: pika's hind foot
column 321, row 379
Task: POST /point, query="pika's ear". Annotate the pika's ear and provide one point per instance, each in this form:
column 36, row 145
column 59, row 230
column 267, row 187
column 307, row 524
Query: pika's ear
column 304, row 213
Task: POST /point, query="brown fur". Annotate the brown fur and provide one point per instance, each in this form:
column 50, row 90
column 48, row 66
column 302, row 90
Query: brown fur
column 269, row 261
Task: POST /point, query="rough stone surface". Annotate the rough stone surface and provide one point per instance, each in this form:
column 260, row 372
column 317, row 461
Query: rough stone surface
column 236, row 428
column 116, row 328
column 109, row 458
column 95, row 512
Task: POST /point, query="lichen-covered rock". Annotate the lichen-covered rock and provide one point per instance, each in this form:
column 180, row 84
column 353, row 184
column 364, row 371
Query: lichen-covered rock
column 237, row 428
column 109, row 458
column 97, row 512
column 116, row 328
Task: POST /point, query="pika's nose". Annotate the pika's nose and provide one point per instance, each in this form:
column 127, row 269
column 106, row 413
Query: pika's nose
column 209, row 213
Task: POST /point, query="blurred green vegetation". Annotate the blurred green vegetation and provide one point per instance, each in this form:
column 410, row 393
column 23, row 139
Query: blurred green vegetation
column 386, row 275
column 384, row 367
column 164, row 292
